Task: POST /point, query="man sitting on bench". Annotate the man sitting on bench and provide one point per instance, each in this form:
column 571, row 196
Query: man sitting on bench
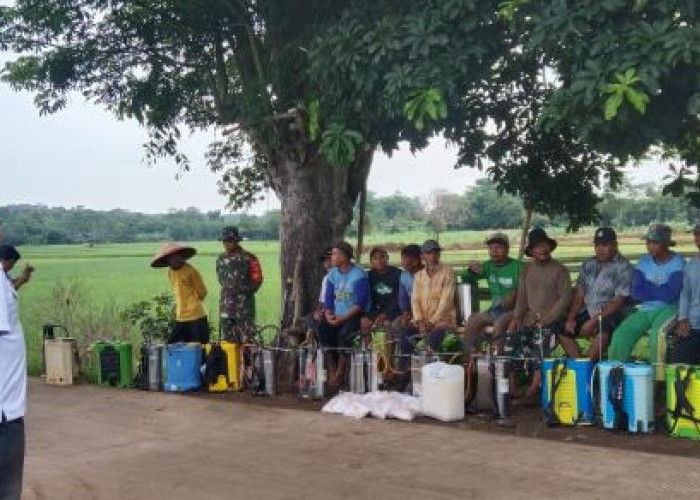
column 601, row 300
column 502, row 273
column 544, row 292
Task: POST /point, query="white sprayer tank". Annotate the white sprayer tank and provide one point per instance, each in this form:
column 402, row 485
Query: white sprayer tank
column 443, row 391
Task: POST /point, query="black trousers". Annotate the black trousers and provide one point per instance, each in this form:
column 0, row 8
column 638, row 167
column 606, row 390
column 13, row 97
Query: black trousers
column 196, row 330
column 11, row 458
column 687, row 349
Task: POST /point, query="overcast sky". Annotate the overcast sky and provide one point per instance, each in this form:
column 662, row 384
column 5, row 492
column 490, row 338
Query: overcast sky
column 85, row 156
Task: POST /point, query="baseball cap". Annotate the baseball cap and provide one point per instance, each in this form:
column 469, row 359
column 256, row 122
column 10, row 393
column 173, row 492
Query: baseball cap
column 604, row 235
column 660, row 233
column 497, row 237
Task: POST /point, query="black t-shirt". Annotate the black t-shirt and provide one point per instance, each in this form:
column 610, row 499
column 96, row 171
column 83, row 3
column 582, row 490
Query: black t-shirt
column 384, row 291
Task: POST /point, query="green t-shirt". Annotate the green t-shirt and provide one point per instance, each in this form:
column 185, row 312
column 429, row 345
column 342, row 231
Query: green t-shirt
column 502, row 280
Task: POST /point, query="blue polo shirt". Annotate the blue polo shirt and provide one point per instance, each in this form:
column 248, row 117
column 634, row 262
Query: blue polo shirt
column 345, row 290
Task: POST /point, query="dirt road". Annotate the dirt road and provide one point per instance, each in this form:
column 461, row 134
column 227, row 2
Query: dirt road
column 88, row 442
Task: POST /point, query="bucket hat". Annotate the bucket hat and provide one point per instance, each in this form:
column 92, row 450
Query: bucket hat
column 537, row 236
column 660, row 233
column 170, row 248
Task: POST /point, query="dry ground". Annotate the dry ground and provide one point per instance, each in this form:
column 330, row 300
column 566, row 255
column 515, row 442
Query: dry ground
column 89, row 442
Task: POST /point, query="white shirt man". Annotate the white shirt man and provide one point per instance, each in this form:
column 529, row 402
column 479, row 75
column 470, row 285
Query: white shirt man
column 13, row 392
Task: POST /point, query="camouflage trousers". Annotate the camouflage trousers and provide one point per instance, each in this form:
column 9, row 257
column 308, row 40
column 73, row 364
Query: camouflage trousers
column 236, row 329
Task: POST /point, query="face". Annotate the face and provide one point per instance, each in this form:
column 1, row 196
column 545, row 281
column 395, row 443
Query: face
column 431, row 258
column 498, row 252
column 7, row 265
column 541, row 251
column 656, row 249
column 379, row 261
column 338, row 257
column 410, row 263
column 327, row 263
column 605, row 252
column 230, row 245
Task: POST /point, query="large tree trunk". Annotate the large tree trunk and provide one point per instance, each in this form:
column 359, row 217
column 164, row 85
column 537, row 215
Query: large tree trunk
column 317, row 203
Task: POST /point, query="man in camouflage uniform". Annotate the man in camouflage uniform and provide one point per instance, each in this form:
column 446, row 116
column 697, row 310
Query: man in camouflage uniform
column 240, row 276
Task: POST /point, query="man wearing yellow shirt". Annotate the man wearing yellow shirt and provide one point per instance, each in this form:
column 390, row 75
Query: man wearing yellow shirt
column 432, row 301
column 191, row 323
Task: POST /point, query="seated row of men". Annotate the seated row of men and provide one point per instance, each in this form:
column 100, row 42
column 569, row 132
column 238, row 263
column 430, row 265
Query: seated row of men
column 612, row 301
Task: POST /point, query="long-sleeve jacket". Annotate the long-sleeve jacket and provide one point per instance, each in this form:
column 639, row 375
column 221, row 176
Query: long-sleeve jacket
column 433, row 297
column 544, row 292
column 656, row 284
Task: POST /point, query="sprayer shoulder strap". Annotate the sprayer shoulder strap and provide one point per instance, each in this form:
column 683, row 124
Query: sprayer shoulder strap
column 684, row 408
column 616, row 388
column 552, row 417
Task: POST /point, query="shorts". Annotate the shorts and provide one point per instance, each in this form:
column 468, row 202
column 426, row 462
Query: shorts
column 531, row 345
column 686, row 350
column 341, row 335
column 609, row 323
column 196, row 330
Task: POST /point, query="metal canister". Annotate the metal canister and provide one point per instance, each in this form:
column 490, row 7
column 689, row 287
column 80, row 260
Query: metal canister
column 155, row 367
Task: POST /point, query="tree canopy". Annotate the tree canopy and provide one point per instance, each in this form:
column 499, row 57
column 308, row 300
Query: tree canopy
column 628, row 74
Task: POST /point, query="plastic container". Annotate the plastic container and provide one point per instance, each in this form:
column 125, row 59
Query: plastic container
column 443, row 391
column 232, row 352
column 183, row 367
column 114, row 363
column 683, row 401
column 627, row 396
column 62, row 361
column 573, row 399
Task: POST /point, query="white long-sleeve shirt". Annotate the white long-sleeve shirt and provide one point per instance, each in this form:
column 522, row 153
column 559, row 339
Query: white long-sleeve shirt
column 13, row 354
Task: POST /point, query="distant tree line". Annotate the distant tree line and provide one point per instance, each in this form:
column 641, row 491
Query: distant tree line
column 480, row 207
column 42, row 225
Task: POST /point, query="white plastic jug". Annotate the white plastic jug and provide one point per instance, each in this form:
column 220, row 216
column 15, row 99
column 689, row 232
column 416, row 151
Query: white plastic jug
column 443, row 391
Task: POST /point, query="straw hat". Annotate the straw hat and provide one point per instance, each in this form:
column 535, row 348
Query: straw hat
column 161, row 258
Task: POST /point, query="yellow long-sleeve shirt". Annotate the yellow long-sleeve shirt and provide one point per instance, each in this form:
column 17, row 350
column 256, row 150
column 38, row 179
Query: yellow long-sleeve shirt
column 189, row 291
column 433, row 297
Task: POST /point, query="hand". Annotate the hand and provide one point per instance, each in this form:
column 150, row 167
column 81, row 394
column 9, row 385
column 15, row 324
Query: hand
column 589, row 327
column 366, row 323
column 475, row 267
column 318, row 314
column 514, row 325
column 27, row 271
column 427, row 327
column 332, row 319
column 684, row 328
column 379, row 322
column 570, row 326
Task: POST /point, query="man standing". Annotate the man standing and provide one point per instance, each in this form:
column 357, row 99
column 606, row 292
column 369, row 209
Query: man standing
column 240, row 276
column 543, row 296
column 384, row 290
column 347, row 299
column 13, row 393
column 432, row 300
column 502, row 273
column 687, row 347
column 657, row 281
column 601, row 300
